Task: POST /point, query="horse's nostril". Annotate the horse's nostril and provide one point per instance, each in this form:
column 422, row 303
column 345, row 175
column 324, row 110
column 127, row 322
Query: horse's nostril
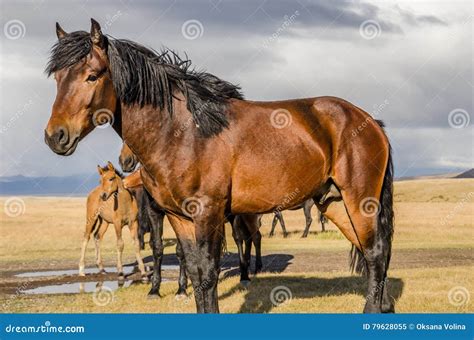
column 62, row 136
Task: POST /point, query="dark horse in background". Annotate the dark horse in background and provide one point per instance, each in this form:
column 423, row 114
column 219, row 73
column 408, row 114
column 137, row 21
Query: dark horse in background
column 198, row 139
column 306, row 206
column 150, row 219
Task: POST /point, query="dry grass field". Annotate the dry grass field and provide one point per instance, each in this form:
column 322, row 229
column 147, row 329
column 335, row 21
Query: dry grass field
column 431, row 269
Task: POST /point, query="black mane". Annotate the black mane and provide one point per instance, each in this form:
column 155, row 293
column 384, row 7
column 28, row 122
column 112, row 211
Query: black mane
column 145, row 77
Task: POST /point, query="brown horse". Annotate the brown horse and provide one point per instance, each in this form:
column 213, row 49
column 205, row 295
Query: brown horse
column 109, row 203
column 206, row 152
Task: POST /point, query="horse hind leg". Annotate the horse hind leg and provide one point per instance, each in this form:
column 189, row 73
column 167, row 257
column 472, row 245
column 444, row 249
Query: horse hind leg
column 252, row 223
column 369, row 204
column 240, row 237
column 274, row 223
column 354, row 227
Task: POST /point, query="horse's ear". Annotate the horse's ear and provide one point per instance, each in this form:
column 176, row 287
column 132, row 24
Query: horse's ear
column 96, row 34
column 60, row 32
column 110, row 166
column 99, row 168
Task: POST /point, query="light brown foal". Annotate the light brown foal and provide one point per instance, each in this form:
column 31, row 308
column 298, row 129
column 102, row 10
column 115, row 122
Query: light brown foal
column 111, row 202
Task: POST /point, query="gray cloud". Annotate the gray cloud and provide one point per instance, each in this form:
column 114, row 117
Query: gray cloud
column 412, row 74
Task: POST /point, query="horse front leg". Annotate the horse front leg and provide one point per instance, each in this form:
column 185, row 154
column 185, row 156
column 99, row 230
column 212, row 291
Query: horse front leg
column 156, row 244
column 201, row 242
column 183, row 278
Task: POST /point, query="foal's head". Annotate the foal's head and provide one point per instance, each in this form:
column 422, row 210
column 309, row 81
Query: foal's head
column 85, row 94
column 110, row 181
column 128, row 161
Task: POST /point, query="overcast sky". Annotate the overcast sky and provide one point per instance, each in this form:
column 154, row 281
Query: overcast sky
column 406, row 62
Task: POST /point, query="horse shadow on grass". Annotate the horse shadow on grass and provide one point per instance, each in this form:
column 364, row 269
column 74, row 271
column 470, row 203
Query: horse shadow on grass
column 265, row 293
column 274, row 263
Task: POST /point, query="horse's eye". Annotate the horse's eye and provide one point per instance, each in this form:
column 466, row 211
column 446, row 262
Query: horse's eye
column 92, row 78
column 111, row 179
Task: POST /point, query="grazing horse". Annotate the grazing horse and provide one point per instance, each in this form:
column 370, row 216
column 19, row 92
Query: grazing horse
column 306, row 206
column 109, row 203
column 202, row 146
column 245, row 230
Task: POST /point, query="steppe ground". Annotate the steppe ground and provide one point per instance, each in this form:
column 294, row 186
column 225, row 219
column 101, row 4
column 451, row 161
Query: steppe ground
column 431, row 269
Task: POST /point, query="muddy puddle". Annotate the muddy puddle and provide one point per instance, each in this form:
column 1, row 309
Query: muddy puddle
column 127, row 270
column 88, row 271
column 68, row 281
column 78, row 287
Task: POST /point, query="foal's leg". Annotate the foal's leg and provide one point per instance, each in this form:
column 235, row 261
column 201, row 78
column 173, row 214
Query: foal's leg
column 202, row 246
column 91, row 221
column 120, row 245
column 183, row 279
column 136, row 245
column 307, row 215
column 98, row 240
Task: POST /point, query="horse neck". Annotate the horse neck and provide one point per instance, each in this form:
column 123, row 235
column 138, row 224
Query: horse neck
column 177, row 130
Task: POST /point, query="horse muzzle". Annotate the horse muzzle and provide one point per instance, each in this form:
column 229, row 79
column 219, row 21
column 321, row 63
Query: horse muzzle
column 128, row 164
column 60, row 141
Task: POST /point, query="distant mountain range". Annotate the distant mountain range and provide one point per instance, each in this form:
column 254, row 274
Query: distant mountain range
column 81, row 185
column 466, row 174
column 78, row 185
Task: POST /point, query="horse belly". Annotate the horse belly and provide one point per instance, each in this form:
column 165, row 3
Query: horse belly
column 277, row 182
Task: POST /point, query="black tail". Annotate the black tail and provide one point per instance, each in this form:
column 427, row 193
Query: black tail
column 385, row 218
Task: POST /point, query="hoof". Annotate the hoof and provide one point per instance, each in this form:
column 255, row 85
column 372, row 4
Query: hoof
column 121, row 276
column 181, row 296
column 304, row 236
column 285, row 235
column 145, row 279
column 82, row 274
column 388, row 308
column 245, row 284
column 153, row 296
column 372, row 309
